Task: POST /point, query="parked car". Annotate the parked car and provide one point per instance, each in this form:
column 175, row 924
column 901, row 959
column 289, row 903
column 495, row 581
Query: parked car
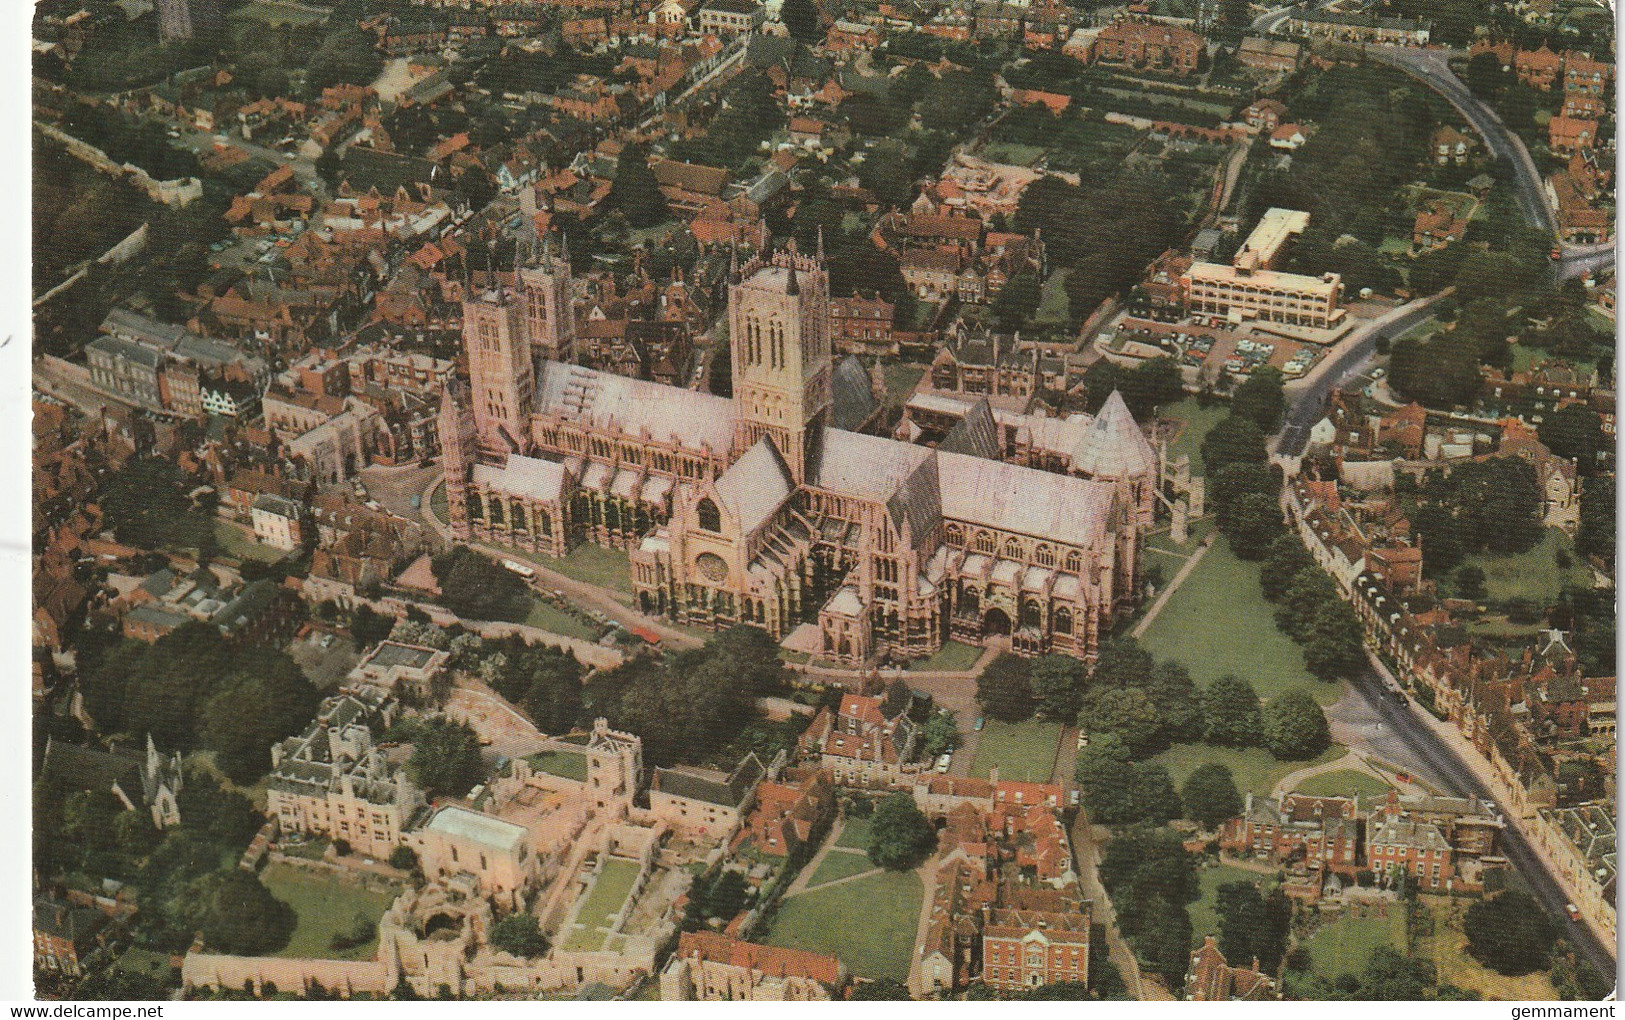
column 1573, row 911
column 980, row 722
column 943, row 761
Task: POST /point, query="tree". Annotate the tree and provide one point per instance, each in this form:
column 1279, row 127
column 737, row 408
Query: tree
column 880, row 990
column 266, row 699
column 1253, row 926
column 1335, row 646
column 802, row 18
column 1255, row 523
column 1295, row 726
column 1152, row 794
column 1004, row 690
column 1210, row 795
column 1470, row 582
column 1283, row 561
column 1150, row 384
column 1310, row 591
column 1131, row 715
column 446, row 759
column 1234, row 440
column 146, row 505
column 475, row 588
column 345, row 57
column 1595, row 536
column 1509, row 933
column 1178, row 702
column 241, row 916
column 1057, row 684
column 328, row 167
column 403, row 858
column 1261, row 398
column 519, row 934
column 1017, row 300
column 1574, row 431
column 957, row 100
column 940, row 734
column 1231, row 713
column 900, row 836
column 635, row 192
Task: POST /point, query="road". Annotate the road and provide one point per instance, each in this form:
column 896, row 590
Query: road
column 1309, row 399
column 1449, row 771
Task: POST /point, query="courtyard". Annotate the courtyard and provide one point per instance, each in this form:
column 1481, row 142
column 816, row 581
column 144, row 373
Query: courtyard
column 1021, row 751
column 869, row 923
column 327, row 905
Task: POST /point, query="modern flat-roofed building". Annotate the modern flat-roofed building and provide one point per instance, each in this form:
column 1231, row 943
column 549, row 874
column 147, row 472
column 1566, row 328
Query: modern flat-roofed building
column 1251, row 288
column 495, row 853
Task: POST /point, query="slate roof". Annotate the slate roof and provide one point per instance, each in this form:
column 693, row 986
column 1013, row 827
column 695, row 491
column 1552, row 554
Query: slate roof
column 1114, row 446
column 529, row 477
column 755, row 486
column 686, row 418
column 976, row 435
column 711, row 786
column 852, row 397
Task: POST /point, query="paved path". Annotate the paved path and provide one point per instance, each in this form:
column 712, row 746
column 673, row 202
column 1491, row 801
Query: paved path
column 1352, row 762
column 1173, row 586
column 928, row 882
column 820, row 887
column 800, row 884
column 1086, row 853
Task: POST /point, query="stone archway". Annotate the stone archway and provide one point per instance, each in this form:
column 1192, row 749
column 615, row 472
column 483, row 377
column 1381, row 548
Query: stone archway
column 995, row 623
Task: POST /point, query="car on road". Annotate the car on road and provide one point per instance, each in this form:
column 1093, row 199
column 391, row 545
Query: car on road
column 1572, row 910
column 980, row 722
column 944, row 761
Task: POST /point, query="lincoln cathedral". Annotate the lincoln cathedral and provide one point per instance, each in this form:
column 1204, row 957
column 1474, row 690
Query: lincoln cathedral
column 775, row 507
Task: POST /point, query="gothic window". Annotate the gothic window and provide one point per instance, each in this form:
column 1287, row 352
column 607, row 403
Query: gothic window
column 1063, row 620
column 476, row 511
column 496, row 511
column 518, row 516
column 956, row 537
column 1012, row 549
column 1032, row 614
column 544, row 520
column 984, row 542
column 711, row 566
column 710, row 518
column 1074, row 562
column 1044, row 555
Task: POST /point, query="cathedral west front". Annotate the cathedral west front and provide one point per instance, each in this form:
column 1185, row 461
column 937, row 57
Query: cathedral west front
column 772, row 507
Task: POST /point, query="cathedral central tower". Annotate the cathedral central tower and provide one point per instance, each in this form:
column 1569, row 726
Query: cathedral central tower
column 779, row 331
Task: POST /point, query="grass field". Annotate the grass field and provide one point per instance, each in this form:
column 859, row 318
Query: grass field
column 1021, row 751
column 1447, row 947
column 854, row 834
column 1163, row 541
column 952, row 657
column 594, row 564
column 1204, row 912
column 550, row 617
column 1254, row 768
column 1053, row 305
column 868, row 923
column 1218, row 622
column 327, row 906
column 1344, row 946
column 603, row 902
column 1343, row 783
column 1532, row 575
column 234, row 541
column 439, row 505
column 1198, row 420
column 560, row 763
column 838, row 864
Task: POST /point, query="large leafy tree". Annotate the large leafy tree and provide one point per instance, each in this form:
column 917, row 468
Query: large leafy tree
column 1253, row 926
column 519, row 934
column 1057, row 682
column 1230, row 712
column 1295, row 726
column 446, row 758
column 635, row 192
column 1131, row 715
column 1595, row 536
column 802, row 18
column 241, row 916
column 1261, row 398
column 1004, row 690
column 475, row 588
column 146, row 504
column 1283, row 561
column 1335, row 646
column 1210, row 795
column 265, row 699
column 1575, row 432
column 900, row 836
column 1234, row 440
column 1509, row 933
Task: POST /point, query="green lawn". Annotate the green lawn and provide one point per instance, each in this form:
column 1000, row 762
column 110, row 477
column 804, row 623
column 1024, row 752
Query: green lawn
column 1343, row 783
column 1254, row 768
column 1532, row 575
column 594, row 564
column 1218, row 622
column 327, row 906
column 1054, row 306
column 868, row 923
column 1344, row 946
column 439, row 505
column 549, row 617
column 563, row 764
column 952, row 657
column 1198, row 420
column 1020, row 751
column 1163, row 541
column 1204, row 912
column 603, row 902
column 236, row 542
column 854, row 834
column 839, row 864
